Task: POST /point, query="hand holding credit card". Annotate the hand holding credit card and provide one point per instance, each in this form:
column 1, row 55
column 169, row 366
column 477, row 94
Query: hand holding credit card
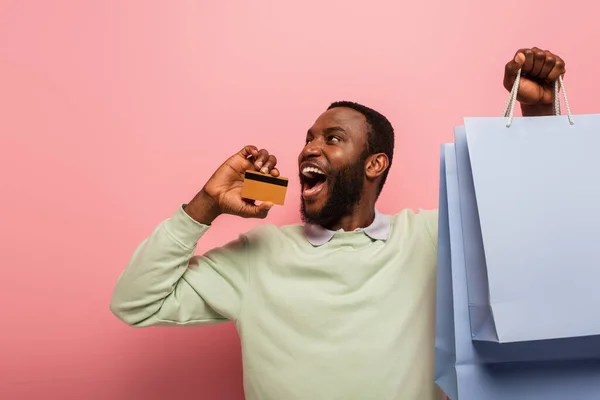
column 247, row 176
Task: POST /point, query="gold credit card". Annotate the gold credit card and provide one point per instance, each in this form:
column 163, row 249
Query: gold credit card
column 264, row 187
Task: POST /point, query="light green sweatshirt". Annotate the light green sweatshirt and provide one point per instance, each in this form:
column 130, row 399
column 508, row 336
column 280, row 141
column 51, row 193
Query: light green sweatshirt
column 352, row 319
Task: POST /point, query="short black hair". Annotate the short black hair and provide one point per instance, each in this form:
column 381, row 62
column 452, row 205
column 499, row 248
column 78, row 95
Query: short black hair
column 380, row 133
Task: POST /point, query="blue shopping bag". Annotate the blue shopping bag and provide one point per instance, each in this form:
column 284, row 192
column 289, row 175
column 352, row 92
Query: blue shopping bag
column 445, row 348
column 470, row 370
column 530, row 206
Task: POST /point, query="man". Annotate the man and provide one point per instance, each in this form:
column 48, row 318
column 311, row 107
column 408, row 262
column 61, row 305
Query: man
column 342, row 307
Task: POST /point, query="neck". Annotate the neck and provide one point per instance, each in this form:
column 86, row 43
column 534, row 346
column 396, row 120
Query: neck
column 361, row 216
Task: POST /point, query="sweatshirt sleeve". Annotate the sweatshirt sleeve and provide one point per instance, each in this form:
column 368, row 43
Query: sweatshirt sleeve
column 165, row 284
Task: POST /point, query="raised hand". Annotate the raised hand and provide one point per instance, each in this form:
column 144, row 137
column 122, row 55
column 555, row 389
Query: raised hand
column 222, row 194
column 539, row 71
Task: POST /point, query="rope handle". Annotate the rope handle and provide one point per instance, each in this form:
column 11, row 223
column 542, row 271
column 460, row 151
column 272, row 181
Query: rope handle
column 509, row 109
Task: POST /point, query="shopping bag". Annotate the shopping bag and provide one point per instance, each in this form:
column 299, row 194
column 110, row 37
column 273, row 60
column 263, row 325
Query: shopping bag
column 462, row 370
column 482, row 323
column 535, row 198
column 445, row 351
column 480, row 313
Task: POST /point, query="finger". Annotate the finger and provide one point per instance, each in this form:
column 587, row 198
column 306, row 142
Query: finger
column 528, row 64
column 558, row 70
column 539, row 58
column 269, row 164
column 248, row 151
column 548, row 65
column 261, row 159
column 275, row 172
column 512, row 68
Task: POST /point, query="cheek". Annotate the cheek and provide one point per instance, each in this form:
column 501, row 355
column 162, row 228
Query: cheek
column 343, row 162
column 337, row 157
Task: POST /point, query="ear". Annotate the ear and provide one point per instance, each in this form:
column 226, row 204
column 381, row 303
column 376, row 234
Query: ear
column 376, row 165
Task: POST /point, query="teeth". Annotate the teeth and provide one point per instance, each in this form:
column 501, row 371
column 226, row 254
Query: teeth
column 314, row 170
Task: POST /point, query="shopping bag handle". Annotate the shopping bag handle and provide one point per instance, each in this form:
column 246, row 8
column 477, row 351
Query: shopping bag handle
column 509, row 110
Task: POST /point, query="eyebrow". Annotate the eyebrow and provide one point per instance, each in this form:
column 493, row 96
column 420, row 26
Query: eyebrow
column 334, row 129
column 329, row 130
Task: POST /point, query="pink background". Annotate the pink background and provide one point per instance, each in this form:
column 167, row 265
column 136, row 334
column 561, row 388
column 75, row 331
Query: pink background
column 113, row 113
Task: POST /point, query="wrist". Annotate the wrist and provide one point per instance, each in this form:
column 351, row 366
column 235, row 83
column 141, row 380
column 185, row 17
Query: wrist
column 202, row 208
column 537, row 110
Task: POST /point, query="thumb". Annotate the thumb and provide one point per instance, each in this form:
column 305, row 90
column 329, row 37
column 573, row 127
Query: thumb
column 263, row 208
column 512, row 68
column 260, row 211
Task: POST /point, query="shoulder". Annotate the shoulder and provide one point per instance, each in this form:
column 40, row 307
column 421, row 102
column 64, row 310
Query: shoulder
column 269, row 235
column 271, row 242
column 408, row 215
column 422, row 222
column 429, row 216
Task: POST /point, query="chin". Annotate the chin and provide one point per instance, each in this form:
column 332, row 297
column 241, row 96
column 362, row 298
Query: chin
column 311, row 210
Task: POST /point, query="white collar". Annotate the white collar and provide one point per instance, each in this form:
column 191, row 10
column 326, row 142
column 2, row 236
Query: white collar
column 378, row 230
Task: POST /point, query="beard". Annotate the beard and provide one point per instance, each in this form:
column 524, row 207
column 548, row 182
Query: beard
column 345, row 189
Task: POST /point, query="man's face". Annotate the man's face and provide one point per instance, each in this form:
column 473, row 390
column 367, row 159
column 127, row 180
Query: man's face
column 332, row 166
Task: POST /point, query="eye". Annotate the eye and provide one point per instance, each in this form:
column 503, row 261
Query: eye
column 333, row 139
column 307, row 141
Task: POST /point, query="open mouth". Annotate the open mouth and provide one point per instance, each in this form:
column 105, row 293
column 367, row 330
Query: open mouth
column 313, row 181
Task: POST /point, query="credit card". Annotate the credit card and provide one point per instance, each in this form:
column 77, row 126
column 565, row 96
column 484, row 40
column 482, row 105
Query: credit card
column 264, row 187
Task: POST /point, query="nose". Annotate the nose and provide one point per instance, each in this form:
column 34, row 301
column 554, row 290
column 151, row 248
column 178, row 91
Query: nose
column 312, row 149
